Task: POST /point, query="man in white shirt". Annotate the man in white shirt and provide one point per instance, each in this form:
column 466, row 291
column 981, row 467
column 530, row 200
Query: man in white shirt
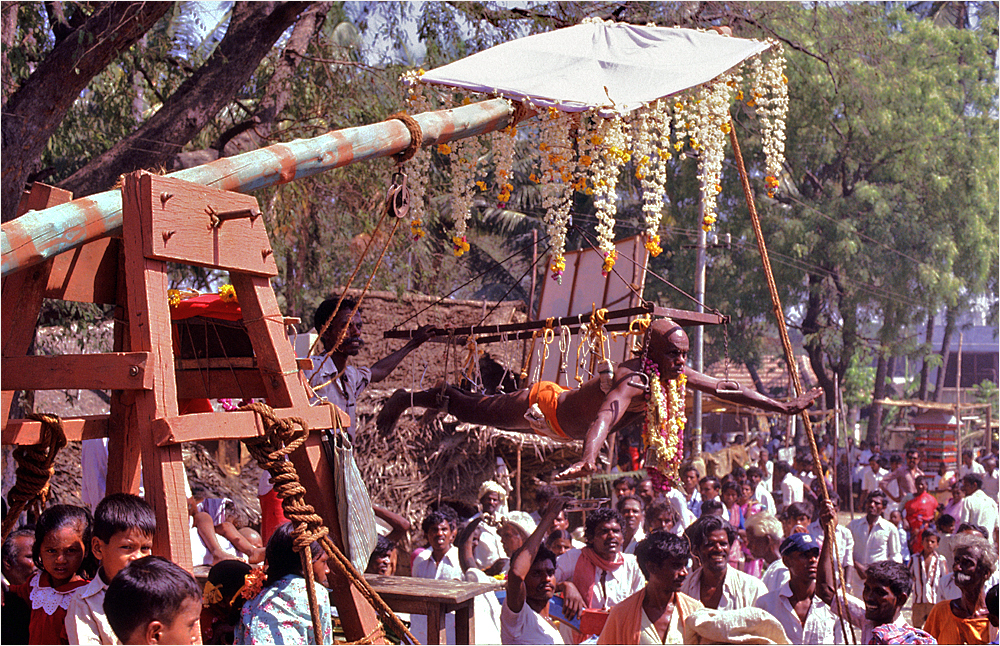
column 845, row 541
column 715, row 584
column 872, row 476
column 689, row 481
column 761, row 494
column 792, row 488
column 991, row 483
column 764, row 537
column 715, row 445
column 804, row 616
column 599, row 575
column 490, row 555
column 875, row 539
column 977, row 507
column 969, row 465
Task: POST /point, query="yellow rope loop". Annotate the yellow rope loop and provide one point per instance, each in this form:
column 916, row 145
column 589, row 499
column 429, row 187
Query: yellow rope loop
column 471, row 359
column 35, row 467
column 549, row 333
column 377, row 633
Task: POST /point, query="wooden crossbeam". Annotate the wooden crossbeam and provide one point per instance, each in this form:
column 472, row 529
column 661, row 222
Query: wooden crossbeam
column 25, row 432
column 109, row 371
column 196, row 427
column 511, row 331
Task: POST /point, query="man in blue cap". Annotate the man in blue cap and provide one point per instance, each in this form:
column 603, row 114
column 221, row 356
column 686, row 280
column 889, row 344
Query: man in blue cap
column 804, row 616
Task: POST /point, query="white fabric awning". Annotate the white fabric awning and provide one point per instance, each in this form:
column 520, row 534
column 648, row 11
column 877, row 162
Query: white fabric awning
column 603, row 65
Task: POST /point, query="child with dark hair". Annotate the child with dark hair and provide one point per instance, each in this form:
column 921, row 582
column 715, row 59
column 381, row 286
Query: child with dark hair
column 62, row 534
column 382, row 559
column 280, row 613
column 531, row 582
column 153, row 601
column 926, row 568
column 230, row 584
column 124, row 525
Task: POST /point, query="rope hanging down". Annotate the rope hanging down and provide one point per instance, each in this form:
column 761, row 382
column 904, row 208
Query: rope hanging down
column 829, row 529
column 282, row 437
column 35, row 466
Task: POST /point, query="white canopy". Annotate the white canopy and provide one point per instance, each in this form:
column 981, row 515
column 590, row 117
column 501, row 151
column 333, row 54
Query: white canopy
column 605, row 65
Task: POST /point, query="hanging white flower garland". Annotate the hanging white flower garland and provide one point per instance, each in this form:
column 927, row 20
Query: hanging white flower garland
column 585, row 152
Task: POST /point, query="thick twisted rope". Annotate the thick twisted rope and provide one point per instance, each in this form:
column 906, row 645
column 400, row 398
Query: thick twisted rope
column 416, row 137
column 35, row 466
column 829, row 530
column 271, row 450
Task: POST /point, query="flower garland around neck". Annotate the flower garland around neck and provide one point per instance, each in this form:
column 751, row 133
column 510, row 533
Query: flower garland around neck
column 663, row 427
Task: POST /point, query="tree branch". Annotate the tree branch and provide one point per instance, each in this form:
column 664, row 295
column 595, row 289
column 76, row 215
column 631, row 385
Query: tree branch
column 253, row 30
column 36, row 109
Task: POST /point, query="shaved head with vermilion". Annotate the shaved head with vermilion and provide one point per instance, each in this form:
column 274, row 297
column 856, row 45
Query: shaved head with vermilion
column 668, row 347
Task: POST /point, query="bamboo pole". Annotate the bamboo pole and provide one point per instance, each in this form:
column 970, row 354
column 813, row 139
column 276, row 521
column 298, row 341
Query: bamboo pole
column 39, row 235
column 793, row 369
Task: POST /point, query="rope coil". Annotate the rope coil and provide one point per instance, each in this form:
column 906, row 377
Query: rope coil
column 416, row 137
column 282, row 437
column 35, row 467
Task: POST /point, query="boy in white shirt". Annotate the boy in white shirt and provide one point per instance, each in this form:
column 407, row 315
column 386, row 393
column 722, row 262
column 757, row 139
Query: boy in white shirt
column 124, row 525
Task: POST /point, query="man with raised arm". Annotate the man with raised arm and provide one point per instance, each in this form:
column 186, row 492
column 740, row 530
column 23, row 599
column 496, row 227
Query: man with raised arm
column 589, row 413
column 531, row 583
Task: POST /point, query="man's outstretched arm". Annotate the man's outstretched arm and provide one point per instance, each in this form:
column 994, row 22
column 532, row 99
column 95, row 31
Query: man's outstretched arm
column 382, row 367
column 747, row 397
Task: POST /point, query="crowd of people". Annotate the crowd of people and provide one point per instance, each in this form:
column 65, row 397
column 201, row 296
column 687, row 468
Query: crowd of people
column 735, row 557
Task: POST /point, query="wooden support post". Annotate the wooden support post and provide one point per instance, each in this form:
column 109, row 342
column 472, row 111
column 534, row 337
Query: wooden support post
column 146, row 285
column 23, row 291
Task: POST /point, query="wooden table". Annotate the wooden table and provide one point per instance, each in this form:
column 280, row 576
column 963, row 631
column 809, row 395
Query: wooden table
column 434, row 599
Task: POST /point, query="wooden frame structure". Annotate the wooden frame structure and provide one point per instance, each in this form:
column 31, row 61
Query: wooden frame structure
column 169, row 220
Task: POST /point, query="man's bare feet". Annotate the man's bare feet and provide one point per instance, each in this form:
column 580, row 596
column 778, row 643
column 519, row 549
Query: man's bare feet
column 392, row 408
column 578, row 470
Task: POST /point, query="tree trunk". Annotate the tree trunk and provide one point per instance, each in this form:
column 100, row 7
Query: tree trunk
column 875, row 414
column 812, row 325
column 37, row 108
column 755, row 376
column 280, row 85
column 949, row 331
column 925, row 369
column 253, row 30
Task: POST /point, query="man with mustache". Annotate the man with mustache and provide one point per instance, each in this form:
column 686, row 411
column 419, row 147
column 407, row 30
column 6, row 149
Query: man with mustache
column 655, row 614
column 598, row 576
column 803, row 615
column 965, row 620
column 887, row 587
column 331, row 378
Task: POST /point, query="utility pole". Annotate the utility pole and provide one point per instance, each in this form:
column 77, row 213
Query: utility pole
column 698, row 347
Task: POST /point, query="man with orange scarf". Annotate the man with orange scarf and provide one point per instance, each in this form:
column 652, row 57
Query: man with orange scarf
column 598, row 576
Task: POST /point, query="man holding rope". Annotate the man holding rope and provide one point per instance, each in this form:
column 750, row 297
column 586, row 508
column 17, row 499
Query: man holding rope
column 589, row 412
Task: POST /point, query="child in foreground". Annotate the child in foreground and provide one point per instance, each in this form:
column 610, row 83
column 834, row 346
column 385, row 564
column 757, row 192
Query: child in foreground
column 153, row 601
column 124, row 525
column 61, row 537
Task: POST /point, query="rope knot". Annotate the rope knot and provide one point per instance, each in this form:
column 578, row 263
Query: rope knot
column 35, row 467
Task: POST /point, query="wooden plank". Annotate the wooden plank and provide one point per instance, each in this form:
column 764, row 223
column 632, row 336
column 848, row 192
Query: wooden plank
column 26, row 432
column 149, row 331
column 124, row 440
column 23, row 292
column 108, row 371
column 213, row 363
column 87, row 274
column 237, row 383
column 30, row 240
column 185, row 226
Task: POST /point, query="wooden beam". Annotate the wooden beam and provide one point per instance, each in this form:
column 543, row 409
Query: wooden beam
column 25, row 432
column 220, row 383
column 917, row 403
column 87, row 274
column 35, row 237
column 23, row 291
column 237, row 424
column 108, row 371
